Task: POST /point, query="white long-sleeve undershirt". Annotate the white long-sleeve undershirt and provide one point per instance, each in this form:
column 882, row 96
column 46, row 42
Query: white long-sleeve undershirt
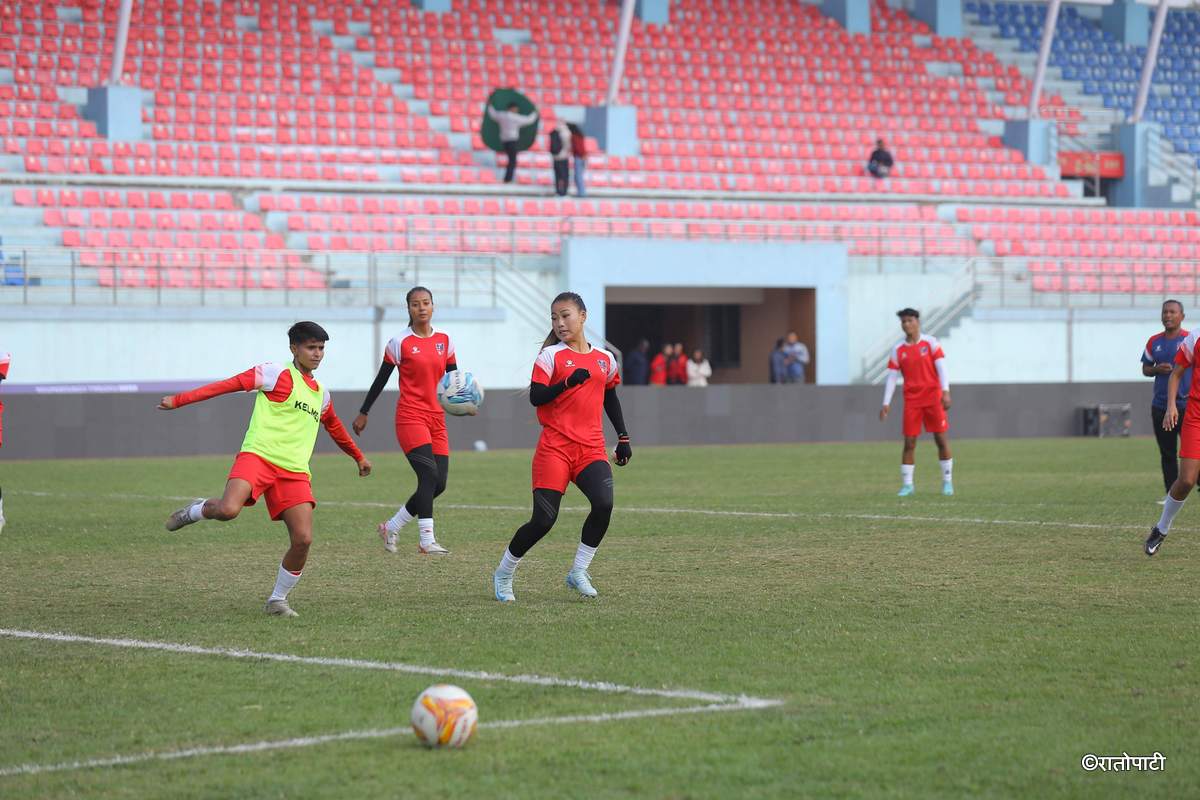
column 889, row 389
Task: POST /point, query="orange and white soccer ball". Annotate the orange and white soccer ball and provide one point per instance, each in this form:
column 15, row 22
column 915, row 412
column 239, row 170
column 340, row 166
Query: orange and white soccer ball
column 444, row 716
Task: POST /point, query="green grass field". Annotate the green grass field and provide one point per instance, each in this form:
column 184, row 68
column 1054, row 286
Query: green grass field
column 974, row 646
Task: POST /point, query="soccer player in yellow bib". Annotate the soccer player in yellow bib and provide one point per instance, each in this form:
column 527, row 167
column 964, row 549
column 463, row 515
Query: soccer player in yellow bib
column 273, row 461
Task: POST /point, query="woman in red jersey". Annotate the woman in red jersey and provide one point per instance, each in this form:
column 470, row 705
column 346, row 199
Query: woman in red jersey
column 572, row 381
column 423, row 355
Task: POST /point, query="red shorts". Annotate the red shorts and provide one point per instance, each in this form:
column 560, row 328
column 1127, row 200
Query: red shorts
column 1189, row 432
column 933, row 417
column 411, row 433
column 558, row 460
column 283, row 489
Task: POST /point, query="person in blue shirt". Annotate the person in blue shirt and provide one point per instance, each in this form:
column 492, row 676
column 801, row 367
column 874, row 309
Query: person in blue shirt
column 1158, row 359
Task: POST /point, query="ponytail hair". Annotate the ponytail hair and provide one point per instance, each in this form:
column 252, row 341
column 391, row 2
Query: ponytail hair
column 408, row 297
column 563, row 297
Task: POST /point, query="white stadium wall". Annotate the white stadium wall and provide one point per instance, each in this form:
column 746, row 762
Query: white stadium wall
column 1049, row 346
column 874, row 299
column 856, row 321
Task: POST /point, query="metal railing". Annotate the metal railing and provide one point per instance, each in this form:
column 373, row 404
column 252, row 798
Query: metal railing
column 46, row 276
column 533, row 235
column 1084, row 283
column 162, row 277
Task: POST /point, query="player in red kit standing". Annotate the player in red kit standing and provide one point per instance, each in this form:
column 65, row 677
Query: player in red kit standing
column 423, row 356
column 4, row 359
column 273, row 461
column 572, row 381
column 920, row 360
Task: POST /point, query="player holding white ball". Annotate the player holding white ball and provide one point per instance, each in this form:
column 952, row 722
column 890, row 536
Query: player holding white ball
column 423, row 355
column 572, row 381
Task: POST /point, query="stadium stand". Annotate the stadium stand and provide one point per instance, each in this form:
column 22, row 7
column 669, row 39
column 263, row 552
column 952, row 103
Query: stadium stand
column 745, row 116
column 1093, row 250
column 1109, row 71
column 774, row 101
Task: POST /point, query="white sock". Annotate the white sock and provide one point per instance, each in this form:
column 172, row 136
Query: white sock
column 426, row 526
column 1, row 508
column 284, row 583
column 508, row 563
column 1170, row 508
column 583, row 557
column 196, row 511
column 906, row 474
column 398, row 520
column 947, row 469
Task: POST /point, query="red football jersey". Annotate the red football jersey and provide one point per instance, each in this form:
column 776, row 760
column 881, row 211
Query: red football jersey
column 576, row 413
column 1186, row 355
column 922, row 385
column 421, row 362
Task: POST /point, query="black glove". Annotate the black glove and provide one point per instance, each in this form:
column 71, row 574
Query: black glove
column 623, row 452
column 577, row 377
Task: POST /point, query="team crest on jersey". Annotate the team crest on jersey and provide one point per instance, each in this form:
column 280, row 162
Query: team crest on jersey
column 603, row 364
column 440, row 346
column 924, row 350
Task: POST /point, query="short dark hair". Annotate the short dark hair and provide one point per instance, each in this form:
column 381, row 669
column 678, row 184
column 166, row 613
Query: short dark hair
column 908, row 312
column 1176, row 302
column 306, row 331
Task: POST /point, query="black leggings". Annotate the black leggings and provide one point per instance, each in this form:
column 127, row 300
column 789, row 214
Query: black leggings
column 432, row 472
column 596, row 483
column 1168, row 445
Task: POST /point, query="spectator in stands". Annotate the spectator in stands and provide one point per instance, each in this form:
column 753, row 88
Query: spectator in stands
column 637, row 365
column 511, row 122
column 779, row 362
column 560, row 153
column 698, row 370
column 659, row 366
column 880, row 165
column 579, row 151
column 798, row 358
column 677, row 366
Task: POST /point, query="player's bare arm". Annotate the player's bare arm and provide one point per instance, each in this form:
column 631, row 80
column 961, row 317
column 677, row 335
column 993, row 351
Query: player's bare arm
column 883, row 412
column 167, row 403
column 364, row 468
column 946, row 399
column 359, row 425
column 1171, row 417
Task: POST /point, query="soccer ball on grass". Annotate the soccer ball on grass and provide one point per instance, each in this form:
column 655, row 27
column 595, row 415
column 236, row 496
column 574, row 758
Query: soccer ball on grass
column 444, row 716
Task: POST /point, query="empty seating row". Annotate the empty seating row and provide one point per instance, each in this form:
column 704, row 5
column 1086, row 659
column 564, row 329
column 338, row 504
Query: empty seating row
column 112, row 198
column 369, row 204
column 208, row 278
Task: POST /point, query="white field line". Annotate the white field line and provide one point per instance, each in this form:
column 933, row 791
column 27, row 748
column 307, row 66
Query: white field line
column 389, row 666
column 310, row 741
column 655, row 510
column 716, row 702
